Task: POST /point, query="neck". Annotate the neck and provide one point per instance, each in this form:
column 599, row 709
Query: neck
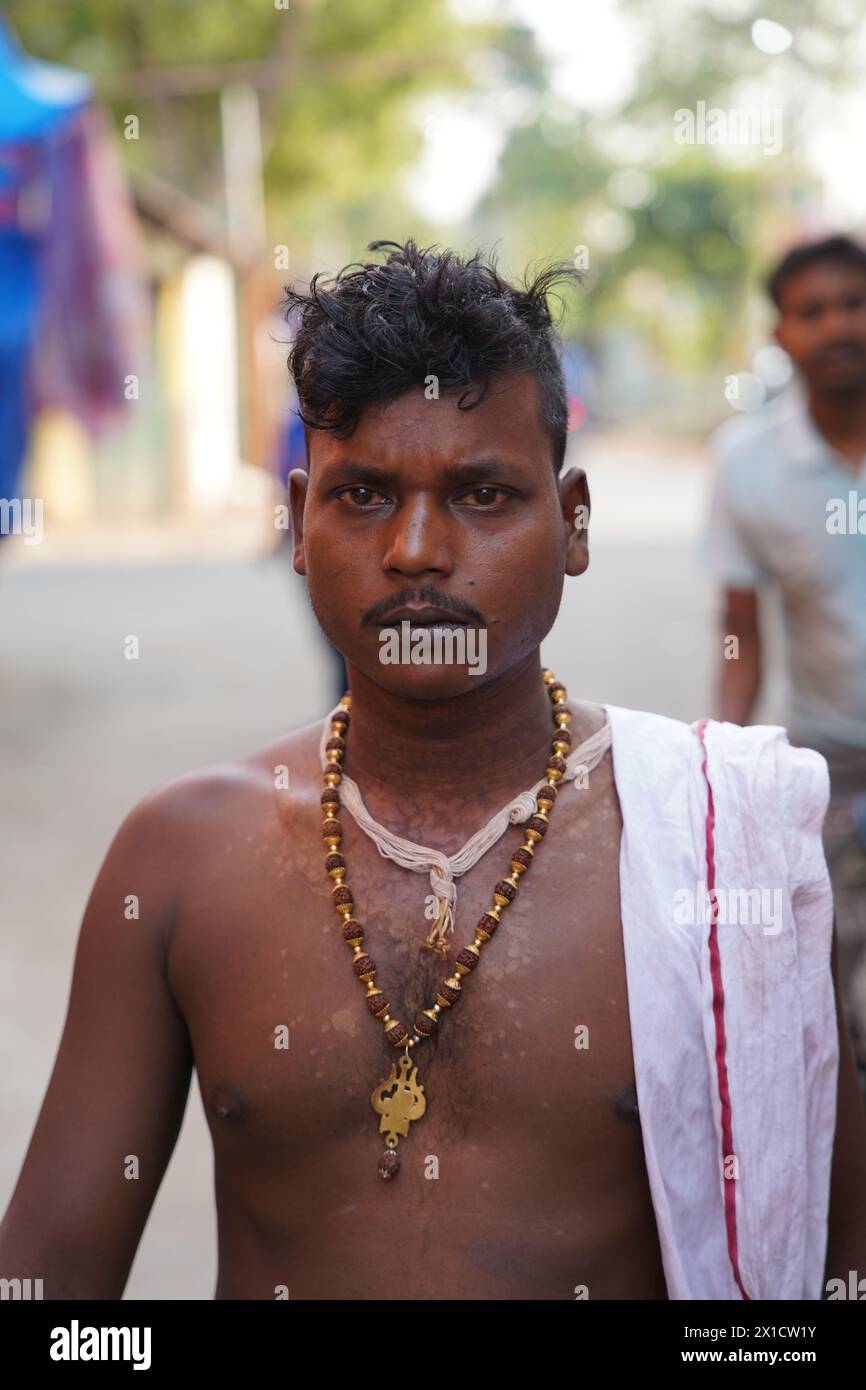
column 840, row 418
column 481, row 744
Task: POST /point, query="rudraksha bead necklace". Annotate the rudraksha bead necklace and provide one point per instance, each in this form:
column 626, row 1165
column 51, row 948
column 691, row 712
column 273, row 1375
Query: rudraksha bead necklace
column 400, row 1099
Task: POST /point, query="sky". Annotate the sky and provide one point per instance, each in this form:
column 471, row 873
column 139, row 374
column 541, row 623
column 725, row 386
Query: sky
column 593, row 61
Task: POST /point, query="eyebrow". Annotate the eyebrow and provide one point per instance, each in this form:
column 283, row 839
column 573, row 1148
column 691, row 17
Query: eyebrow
column 452, row 474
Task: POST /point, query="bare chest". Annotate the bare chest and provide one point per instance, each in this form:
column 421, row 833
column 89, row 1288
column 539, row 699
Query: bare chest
column 537, row 1051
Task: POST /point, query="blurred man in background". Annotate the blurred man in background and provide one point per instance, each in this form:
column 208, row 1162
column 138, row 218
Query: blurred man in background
column 789, row 511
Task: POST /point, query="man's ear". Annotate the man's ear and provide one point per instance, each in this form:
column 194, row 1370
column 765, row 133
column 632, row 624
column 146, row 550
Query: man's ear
column 298, row 481
column 574, row 498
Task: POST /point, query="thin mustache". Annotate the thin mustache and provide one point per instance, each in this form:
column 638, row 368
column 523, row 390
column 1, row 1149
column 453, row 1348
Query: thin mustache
column 427, row 595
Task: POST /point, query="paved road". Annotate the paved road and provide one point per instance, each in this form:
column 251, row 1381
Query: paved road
column 228, row 662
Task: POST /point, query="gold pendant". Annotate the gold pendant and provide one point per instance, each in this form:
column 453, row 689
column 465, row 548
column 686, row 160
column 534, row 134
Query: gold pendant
column 399, row 1100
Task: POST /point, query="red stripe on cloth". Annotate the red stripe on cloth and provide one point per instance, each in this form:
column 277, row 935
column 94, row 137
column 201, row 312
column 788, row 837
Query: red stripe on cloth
column 730, row 1190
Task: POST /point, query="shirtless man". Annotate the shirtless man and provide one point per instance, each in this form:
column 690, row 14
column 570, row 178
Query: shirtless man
column 542, row 1185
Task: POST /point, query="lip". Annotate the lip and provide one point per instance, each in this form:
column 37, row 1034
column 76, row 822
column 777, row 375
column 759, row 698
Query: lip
column 423, row 617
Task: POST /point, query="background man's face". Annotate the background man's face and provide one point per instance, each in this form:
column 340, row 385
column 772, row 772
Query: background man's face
column 429, row 504
column 822, row 326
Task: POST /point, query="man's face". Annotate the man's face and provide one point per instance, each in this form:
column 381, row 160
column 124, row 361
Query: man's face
column 822, row 326
column 436, row 515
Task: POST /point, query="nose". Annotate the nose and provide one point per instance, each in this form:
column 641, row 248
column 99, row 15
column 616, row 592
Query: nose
column 419, row 539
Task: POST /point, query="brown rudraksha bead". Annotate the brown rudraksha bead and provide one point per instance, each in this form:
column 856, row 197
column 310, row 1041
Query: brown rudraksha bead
column 538, row 824
column 487, row 923
column 424, row 1025
column 448, row 992
column 557, row 762
column 557, row 692
column 342, row 895
column 507, row 890
column 329, row 795
column 522, row 856
column 336, row 741
column 467, row 959
column 335, row 861
column 377, row 1004
column 561, row 709
column 389, row 1164
column 563, row 736
column 341, row 716
column 395, row 1032
column 331, row 826
column 364, row 965
column 353, row 931
column 547, row 794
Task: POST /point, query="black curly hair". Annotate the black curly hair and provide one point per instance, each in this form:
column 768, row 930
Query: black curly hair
column 378, row 329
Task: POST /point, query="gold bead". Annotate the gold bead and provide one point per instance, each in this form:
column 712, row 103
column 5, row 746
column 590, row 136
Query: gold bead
column 454, row 982
column 333, row 779
column 512, row 878
column 480, row 937
column 338, row 875
column 500, row 900
column 543, row 814
column 495, row 912
column 432, row 1014
column 560, row 748
column 563, row 718
column 344, row 909
column 533, row 837
column 547, row 676
column 437, row 1009
column 332, row 841
column 517, row 867
column 554, row 774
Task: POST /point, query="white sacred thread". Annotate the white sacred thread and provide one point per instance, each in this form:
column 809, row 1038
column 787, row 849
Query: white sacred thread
column 444, row 868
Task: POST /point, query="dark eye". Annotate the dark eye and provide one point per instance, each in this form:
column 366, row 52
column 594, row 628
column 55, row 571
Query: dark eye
column 484, row 496
column 361, row 497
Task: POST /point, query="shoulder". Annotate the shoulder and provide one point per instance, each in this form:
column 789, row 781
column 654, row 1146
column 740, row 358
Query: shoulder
column 766, row 776
column 188, row 814
column 792, row 780
column 743, row 437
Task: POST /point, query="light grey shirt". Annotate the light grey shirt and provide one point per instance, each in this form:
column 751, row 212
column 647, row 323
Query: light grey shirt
column 780, row 493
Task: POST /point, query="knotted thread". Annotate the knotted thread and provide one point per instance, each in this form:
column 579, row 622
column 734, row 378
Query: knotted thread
column 444, row 868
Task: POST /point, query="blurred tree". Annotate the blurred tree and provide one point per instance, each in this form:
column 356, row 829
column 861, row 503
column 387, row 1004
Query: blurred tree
column 337, row 80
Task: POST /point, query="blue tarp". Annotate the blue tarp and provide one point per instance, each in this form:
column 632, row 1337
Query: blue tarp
column 36, row 99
